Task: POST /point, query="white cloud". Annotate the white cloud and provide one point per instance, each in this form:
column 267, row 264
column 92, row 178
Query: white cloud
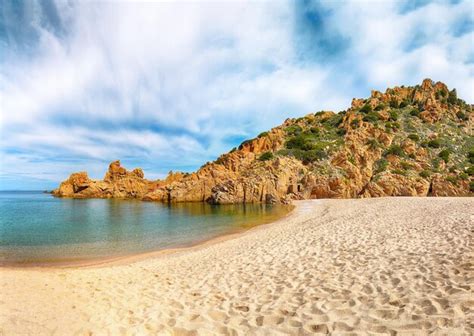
column 167, row 84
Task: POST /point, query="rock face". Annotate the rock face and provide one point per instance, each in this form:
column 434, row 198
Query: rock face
column 117, row 183
column 408, row 141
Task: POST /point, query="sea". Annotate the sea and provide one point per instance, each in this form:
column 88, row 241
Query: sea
column 37, row 229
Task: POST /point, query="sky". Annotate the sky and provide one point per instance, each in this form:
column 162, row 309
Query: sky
column 170, row 85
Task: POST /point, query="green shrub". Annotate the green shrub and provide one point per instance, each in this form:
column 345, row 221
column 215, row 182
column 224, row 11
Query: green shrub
column 463, row 176
column 444, row 154
column 366, row 108
column 392, row 125
column 263, row 134
column 435, row 162
column 373, row 143
column 335, row 120
column 355, row 123
column 393, row 103
column 313, row 155
column 302, row 141
column 470, row 155
column 435, row 143
column 371, row 117
column 341, row 131
column 293, row 130
column 414, row 137
column 351, row 159
column 462, row 116
column 399, row 172
column 395, row 150
column 406, row 165
column 381, row 165
column 233, row 149
column 470, row 170
column 452, row 97
column 403, row 104
column 393, row 115
column 425, row 173
column 414, row 112
column 315, row 130
column 305, row 156
column 379, row 107
column 452, row 179
column 266, row 156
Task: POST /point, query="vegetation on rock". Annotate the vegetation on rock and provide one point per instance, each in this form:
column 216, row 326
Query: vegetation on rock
column 408, row 141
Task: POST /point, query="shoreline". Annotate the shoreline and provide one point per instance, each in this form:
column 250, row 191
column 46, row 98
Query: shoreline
column 382, row 266
column 133, row 258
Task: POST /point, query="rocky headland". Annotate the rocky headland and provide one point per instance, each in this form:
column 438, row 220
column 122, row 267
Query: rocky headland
column 408, row 141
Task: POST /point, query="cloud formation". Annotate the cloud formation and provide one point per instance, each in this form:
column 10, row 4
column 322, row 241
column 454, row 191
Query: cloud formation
column 171, row 85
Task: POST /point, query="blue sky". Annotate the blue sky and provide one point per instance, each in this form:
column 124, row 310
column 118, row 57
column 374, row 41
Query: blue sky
column 169, row 86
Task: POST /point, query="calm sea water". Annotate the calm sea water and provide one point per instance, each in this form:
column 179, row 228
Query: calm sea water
column 37, row 228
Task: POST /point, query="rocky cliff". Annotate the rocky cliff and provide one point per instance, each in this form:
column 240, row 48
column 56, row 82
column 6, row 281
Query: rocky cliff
column 117, row 183
column 408, row 141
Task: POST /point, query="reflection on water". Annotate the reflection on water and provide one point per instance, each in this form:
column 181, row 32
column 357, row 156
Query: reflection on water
column 36, row 227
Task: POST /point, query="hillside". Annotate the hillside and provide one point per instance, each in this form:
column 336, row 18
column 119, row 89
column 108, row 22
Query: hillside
column 408, row 141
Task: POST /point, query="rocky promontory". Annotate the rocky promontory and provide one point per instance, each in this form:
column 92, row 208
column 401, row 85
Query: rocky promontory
column 408, row 141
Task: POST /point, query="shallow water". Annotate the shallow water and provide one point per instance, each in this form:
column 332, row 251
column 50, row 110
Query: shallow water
column 37, row 228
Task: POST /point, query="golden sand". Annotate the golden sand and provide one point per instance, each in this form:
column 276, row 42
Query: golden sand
column 385, row 266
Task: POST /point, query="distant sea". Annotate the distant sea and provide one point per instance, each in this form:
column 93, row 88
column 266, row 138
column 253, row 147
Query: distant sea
column 39, row 229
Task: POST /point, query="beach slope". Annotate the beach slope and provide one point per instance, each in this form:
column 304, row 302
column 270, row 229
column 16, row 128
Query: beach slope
column 378, row 266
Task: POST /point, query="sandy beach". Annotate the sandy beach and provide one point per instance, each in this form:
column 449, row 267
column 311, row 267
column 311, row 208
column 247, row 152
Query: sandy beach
column 388, row 266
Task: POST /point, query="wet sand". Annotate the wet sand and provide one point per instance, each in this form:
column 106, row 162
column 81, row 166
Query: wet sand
column 376, row 266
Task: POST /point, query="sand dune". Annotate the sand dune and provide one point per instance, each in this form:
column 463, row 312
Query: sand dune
column 388, row 266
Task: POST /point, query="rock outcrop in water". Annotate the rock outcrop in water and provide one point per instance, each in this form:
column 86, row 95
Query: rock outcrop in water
column 117, row 183
column 408, row 141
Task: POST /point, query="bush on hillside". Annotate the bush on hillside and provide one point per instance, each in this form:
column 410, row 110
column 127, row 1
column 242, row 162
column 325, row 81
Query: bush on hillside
column 373, row 143
column 435, row 143
column 444, row 154
column 395, row 150
column 399, row 172
column 381, row 165
column 379, row 107
column 462, row 116
column 452, row 179
column 425, row 174
column 470, row 155
column 470, row 170
column 393, row 103
column 293, row 130
column 393, row 115
column 335, row 120
column 406, row 165
column 371, row 117
column 414, row 112
column 266, row 156
column 414, row 137
column 452, row 97
column 366, row 108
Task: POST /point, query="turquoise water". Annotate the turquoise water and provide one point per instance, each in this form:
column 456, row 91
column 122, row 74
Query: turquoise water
column 37, row 228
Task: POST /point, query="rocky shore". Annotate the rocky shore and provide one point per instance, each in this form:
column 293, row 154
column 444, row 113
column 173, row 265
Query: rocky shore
column 408, row 141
